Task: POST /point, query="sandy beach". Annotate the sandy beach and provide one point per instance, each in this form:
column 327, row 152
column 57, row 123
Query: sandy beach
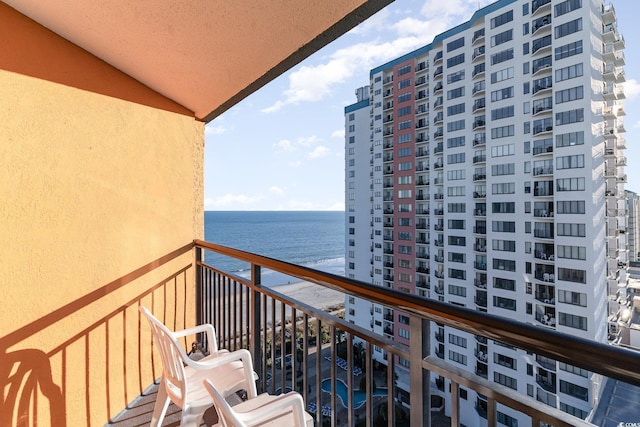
column 312, row 294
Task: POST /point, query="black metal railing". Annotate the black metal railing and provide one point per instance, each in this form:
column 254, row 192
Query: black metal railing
column 295, row 345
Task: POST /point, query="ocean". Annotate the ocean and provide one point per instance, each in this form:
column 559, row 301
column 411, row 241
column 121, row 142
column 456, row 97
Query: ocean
column 312, row 239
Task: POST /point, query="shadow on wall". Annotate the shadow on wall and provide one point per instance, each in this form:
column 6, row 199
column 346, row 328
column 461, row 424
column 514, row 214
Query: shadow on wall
column 27, row 375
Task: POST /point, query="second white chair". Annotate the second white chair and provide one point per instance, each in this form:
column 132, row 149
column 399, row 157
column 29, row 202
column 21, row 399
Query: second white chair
column 285, row 410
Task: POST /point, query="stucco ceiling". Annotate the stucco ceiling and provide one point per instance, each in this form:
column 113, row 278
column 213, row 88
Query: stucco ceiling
column 204, row 54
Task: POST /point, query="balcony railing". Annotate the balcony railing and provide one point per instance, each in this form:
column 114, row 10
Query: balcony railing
column 270, row 324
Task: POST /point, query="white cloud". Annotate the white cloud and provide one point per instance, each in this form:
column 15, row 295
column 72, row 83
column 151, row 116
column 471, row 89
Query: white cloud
column 631, row 89
column 295, row 164
column 308, row 141
column 231, row 200
column 311, row 83
column 636, row 125
column 285, row 145
column 336, row 207
column 214, row 130
column 318, row 152
column 339, row 134
column 276, row 190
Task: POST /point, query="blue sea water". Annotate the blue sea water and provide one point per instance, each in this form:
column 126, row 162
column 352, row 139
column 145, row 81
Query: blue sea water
column 312, row 239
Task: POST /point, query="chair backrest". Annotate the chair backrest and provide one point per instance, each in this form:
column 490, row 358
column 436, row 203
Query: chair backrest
column 226, row 414
column 172, row 356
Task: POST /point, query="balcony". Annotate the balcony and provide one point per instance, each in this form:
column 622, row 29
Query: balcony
column 244, row 314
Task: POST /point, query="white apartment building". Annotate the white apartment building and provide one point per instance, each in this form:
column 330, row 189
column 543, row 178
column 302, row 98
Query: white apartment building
column 486, row 170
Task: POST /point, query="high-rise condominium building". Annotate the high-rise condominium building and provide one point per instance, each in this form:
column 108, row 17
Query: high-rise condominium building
column 486, row 170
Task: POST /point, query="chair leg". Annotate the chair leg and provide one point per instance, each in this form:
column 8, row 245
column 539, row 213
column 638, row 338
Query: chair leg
column 160, row 408
column 192, row 416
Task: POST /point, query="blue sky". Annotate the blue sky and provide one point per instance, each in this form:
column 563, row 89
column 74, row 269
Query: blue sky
column 282, row 148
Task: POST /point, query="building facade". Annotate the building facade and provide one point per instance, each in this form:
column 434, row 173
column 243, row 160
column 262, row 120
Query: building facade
column 487, row 171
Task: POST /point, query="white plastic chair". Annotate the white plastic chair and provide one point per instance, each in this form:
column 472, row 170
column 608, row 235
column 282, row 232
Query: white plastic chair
column 284, row 410
column 182, row 377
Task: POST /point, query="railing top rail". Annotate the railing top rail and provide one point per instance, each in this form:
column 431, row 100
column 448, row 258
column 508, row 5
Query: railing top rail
column 611, row 361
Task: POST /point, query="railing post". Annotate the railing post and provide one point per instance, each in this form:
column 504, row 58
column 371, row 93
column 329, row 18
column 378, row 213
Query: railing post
column 200, row 300
column 256, row 315
column 420, row 396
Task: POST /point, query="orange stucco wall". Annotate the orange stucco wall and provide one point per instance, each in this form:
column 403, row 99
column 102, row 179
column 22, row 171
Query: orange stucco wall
column 98, row 182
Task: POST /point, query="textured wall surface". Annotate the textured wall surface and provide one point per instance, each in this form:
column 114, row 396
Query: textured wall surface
column 94, row 187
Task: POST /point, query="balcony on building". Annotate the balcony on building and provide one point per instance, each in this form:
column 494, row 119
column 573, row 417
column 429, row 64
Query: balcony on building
column 540, row 6
column 540, row 23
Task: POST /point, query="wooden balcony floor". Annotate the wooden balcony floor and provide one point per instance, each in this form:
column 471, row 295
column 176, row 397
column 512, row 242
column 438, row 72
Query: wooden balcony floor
column 138, row 414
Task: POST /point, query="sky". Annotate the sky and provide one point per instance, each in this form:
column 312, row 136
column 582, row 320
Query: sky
column 282, row 148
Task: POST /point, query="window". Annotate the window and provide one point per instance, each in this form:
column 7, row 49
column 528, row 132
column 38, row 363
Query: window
column 455, row 142
column 542, row 84
column 456, row 174
column 404, row 70
column 573, row 298
column 503, row 150
column 504, row 246
column 571, row 116
column 571, row 252
column 404, row 111
column 567, row 6
column 404, row 152
column 569, row 229
column 457, row 240
column 404, row 125
column 573, row 369
column 503, row 226
column 404, row 138
column 456, row 207
column 404, row 194
column 505, row 380
column 503, row 360
column 454, row 126
column 570, row 207
column 455, row 60
column 570, row 184
column 503, row 188
column 525, row 48
column 499, row 57
column 456, row 191
column 541, row 63
column 454, row 273
column 455, row 44
column 405, row 166
column 457, row 340
column 455, row 93
column 570, row 162
column 454, row 77
column 503, row 169
column 502, row 132
column 455, row 158
column 570, row 94
column 574, row 390
column 457, row 357
column 503, row 207
column 456, row 224
column 403, row 333
column 460, row 291
column 568, row 50
column 501, row 75
column 404, row 83
column 455, row 109
column 502, row 113
column 568, row 28
column 502, row 37
column 540, row 43
column 572, row 275
column 502, row 19
column 572, row 410
column 569, row 72
column 507, row 265
column 404, row 179
column 504, row 284
column 404, row 97
column 500, row 94
column 569, row 139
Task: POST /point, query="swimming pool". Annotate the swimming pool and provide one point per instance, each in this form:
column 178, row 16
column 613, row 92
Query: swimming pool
column 359, row 396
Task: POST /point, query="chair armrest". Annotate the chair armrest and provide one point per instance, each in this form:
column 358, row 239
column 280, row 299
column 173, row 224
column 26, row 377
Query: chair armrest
column 292, row 400
column 206, row 328
column 222, row 359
